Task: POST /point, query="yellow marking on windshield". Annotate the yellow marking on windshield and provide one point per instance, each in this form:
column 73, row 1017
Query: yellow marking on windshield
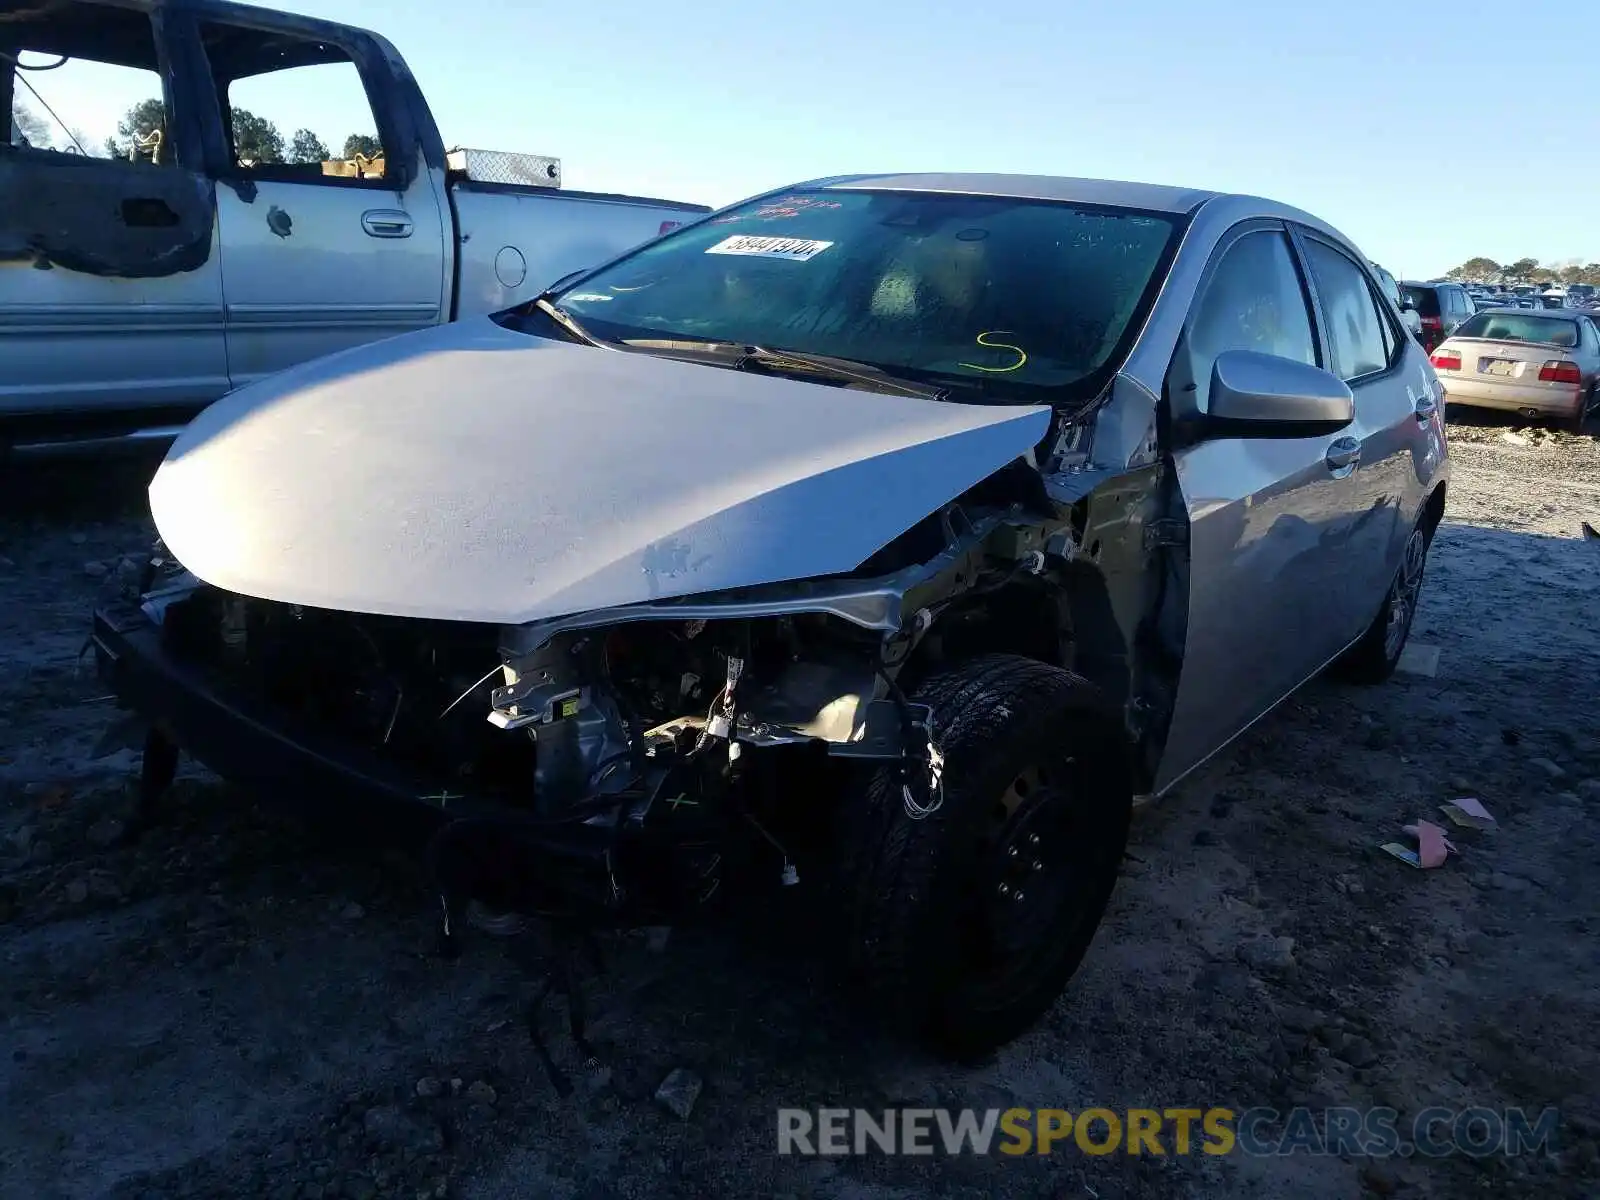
column 1022, row 355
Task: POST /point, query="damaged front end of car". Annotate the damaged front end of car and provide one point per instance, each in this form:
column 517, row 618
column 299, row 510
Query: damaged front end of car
column 625, row 763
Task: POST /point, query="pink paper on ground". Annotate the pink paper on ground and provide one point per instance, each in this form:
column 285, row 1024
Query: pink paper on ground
column 1432, row 845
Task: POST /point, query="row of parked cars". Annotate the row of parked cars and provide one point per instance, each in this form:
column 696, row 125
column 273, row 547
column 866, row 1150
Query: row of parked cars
column 1577, row 295
column 1543, row 364
column 1537, row 354
column 1442, row 306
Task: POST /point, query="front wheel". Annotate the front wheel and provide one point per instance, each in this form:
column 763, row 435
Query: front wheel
column 1374, row 658
column 965, row 925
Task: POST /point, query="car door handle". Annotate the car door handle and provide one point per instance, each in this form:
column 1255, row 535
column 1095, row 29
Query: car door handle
column 1426, row 407
column 1344, row 454
column 387, row 223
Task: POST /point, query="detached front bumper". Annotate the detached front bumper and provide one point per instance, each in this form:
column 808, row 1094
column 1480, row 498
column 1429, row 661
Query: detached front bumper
column 267, row 754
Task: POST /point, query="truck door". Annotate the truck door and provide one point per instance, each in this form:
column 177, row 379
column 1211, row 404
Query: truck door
column 332, row 235
column 110, row 282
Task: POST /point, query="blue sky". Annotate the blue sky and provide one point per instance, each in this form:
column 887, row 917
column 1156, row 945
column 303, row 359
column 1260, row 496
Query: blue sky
column 1385, row 118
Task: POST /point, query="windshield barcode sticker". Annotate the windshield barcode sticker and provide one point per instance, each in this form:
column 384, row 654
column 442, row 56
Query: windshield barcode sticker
column 796, row 249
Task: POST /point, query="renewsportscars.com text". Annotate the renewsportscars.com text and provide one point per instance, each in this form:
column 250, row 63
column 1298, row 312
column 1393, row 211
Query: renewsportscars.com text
column 1376, row 1132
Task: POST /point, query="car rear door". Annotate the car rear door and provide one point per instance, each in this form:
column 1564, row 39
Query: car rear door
column 332, row 229
column 1394, row 402
column 1270, row 598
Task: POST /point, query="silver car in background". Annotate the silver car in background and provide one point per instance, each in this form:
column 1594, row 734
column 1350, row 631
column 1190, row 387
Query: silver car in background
column 890, row 533
column 1542, row 364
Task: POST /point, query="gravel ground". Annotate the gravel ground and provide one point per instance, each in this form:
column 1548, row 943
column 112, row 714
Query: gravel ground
column 236, row 1004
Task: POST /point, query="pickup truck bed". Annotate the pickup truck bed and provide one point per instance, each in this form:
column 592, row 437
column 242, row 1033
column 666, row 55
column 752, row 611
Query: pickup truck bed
column 576, row 229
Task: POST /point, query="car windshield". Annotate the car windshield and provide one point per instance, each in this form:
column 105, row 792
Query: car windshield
column 1515, row 327
column 1424, row 299
column 993, row 298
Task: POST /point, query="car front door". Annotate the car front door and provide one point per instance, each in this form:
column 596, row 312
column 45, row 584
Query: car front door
column 113, row 296
column 1269, row 601
column 326, row 243
column 1394, row 401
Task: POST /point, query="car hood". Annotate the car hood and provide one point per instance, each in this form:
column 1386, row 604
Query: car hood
column 475, row 473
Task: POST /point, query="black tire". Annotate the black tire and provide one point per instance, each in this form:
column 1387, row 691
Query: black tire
column 1578, row 422
column 1372, row 660
column 1029, row 749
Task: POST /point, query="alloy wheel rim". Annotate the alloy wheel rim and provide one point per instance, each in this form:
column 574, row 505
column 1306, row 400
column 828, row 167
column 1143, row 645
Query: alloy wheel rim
column 1403, row 593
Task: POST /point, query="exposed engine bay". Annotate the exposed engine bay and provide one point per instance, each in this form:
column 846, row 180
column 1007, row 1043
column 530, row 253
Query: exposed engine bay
column 664, row 752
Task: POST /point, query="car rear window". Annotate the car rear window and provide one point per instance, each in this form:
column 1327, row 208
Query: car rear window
column 1516, row 327
column 1424, row 299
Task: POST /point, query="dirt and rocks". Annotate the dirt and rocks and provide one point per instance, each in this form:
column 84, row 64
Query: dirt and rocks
column 236, row 1004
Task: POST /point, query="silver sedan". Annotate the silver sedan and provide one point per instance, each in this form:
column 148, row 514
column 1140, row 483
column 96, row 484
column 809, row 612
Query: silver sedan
column 926, row 520
column 1544, row 365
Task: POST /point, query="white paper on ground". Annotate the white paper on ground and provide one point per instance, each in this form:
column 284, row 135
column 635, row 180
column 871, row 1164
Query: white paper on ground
column 1419, row 659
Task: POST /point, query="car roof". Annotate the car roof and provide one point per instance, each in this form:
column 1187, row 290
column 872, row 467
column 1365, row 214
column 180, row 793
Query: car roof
column 1152, row 197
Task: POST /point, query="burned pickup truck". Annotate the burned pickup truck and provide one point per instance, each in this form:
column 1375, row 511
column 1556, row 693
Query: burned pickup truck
column 189, row 245
column 885, row 536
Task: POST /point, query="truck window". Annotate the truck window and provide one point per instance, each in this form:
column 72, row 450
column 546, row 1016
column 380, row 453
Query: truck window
column 294, row 108
column 84, row 79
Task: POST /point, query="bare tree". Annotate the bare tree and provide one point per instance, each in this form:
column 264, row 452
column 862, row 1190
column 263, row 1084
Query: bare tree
column 30, row 125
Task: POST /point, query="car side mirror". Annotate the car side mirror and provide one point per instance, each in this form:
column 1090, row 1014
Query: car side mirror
column 1256, row 395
